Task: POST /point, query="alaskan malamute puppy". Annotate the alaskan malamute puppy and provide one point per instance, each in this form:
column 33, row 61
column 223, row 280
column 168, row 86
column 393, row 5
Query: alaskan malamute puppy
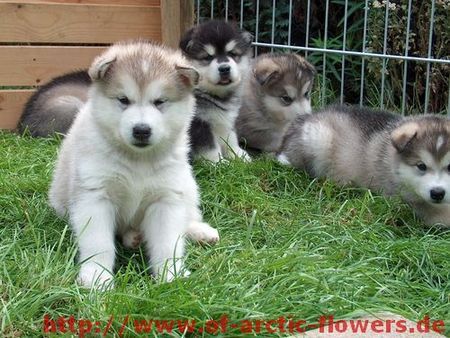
column 53, row 107
column 408, row 156
column 220, row 52
column 123, row 167
column 275, row 93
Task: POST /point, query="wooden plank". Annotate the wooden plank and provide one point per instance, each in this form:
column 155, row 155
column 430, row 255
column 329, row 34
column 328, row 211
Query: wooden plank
column 77, row 23
column 176, row 17
column 170, row 21
column 99, row 2
column 11, row 106
column 187, row 19
column 30, row 66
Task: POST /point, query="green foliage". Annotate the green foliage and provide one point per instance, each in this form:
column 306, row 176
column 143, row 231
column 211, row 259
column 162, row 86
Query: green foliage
column 335, row 41
column 418, row 46
column 396, row 36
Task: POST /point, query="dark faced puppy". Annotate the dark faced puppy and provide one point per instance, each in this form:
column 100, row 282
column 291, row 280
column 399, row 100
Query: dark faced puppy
column 220, row 53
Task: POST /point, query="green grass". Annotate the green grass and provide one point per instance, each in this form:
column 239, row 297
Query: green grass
column 290, row 246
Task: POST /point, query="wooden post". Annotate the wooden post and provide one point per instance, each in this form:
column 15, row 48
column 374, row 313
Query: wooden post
column 177, row 16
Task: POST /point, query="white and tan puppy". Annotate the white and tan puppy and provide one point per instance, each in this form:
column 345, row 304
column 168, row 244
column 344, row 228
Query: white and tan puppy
column 123, row 168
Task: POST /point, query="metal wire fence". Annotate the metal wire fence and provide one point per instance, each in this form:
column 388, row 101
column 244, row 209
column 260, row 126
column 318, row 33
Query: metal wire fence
column 389, row 54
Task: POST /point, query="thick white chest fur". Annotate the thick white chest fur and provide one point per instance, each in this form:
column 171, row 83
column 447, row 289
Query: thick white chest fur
column 133, row 186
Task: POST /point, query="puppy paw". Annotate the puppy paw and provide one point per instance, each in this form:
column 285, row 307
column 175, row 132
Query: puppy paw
column 282, row 158
column 242, row 154
column 213, row 155
column 202, row 232
column 132, row 239
column 93, row 276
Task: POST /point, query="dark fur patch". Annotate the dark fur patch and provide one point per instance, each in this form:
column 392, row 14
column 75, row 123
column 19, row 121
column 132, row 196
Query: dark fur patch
column 30, row 115
column 370, row 121
column 201, row 135
column 206, row 100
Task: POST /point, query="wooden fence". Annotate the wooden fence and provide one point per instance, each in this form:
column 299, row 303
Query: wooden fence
column 43, row 39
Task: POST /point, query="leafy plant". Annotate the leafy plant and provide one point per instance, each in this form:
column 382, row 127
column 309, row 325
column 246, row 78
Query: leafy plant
column 391, row 97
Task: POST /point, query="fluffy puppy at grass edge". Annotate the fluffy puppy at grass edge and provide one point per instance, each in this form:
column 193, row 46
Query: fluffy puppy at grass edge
column 123, row 168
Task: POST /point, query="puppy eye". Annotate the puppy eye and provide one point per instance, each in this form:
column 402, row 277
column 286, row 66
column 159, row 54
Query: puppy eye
column 287, row 100
column 307, row 95
column 421, row 166
column 209, row 58
column 125, row 101
column 159, row 102
column 448, row 168
column 235, row 57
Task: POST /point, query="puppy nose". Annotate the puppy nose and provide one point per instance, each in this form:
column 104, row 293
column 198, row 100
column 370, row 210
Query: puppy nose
column 224, row 69
column 142, row 131
column 437, row 194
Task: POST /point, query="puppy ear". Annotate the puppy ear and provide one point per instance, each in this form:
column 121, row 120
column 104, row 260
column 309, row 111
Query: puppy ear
column 188, row 75
column 266, row 71
column 186, row 41
column 100, row 67
column 247, row 37
column 307, row 87
column 265, row 77
column 305, row 65
column 402, row 136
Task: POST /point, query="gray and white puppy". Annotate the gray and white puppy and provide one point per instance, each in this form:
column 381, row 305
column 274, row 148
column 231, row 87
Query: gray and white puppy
column 408, row 156
column 274, row 94
column 53, row 107
column 123, row 167
column 220, row 53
